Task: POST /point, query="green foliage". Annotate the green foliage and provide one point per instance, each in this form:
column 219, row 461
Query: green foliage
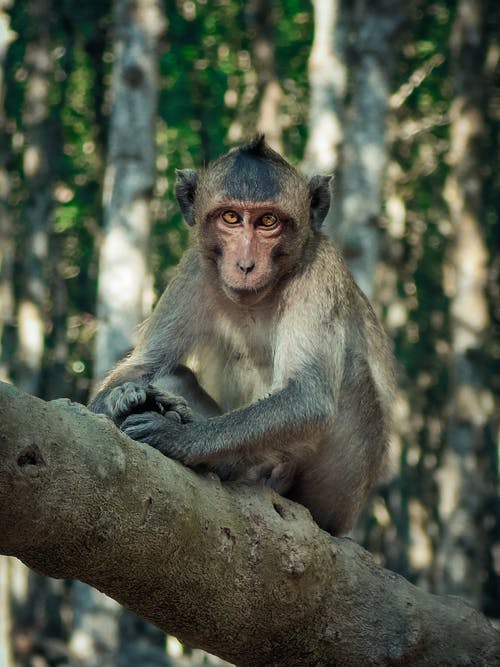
column 207, row 82
column 77, row 37
column 421, row 157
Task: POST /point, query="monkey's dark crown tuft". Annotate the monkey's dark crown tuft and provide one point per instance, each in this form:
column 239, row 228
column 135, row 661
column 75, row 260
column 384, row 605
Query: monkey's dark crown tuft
column 259, row 148
column 256, row 146
column 253, row 172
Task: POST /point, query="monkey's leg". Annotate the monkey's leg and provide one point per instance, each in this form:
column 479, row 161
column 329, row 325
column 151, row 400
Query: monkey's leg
column 282, row 477
column 279, row 476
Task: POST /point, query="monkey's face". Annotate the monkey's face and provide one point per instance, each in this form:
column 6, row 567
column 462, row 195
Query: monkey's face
column 252, row 214
column 245, row 240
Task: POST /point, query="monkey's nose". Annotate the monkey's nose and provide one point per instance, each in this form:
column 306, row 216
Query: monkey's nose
column 246, row 266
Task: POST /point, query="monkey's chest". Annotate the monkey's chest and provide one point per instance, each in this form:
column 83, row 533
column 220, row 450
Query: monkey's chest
column 235, row 363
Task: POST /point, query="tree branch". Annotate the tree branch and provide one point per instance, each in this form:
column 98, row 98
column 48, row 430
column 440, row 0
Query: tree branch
column 236, row 570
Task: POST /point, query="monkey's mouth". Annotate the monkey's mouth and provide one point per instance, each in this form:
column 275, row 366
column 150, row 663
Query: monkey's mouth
column 246, row 294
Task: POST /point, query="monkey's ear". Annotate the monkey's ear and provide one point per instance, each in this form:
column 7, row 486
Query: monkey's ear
column 185, row 190
column 319, row 187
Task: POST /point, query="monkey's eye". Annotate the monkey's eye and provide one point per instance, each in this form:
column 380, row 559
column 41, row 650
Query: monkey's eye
column 268, row 220
column 230, row 217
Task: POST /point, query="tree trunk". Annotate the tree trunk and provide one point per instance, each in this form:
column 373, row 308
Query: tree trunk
column 124, row 292
column 327, row 80
column 124, row 297
column 38, row 179
column 359, row 198
column 6, row 228
column 34, row 232
column 231, row 568
column 462, row 497
column 56, row 380
column 6, row 659
column 261, row 16
column 94, row 633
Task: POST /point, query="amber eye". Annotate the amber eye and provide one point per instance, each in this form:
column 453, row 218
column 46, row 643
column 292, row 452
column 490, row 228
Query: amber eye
column 268, row 220
column 230, row 217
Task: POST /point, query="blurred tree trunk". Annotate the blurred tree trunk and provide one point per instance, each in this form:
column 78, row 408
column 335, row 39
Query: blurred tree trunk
column 491, row 590
column 6, row 659
column 56, row 380
column 352, row 139
column 462, row 486
column 261, row 17
column 347, row 136
column 6, row 227
column 364, row 156
column 94, row 637
column 34, row 233
column 124, row 297
column 327, row 80
column 124, row 281
column 36, row 215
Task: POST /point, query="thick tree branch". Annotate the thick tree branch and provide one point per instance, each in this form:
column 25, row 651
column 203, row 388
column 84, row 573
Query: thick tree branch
column 233, row 569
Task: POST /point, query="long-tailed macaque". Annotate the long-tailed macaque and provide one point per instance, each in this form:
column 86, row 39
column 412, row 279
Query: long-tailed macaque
column 284, row 371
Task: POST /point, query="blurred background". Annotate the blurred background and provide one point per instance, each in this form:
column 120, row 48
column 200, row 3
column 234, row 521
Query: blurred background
column 100, row 101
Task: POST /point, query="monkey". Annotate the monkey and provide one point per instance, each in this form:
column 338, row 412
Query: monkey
column 263, row 361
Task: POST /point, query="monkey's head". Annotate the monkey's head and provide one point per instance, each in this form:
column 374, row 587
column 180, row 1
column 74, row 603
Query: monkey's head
column 253, row 215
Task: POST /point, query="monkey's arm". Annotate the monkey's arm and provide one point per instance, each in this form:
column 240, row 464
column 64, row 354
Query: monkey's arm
column 297, row 414
column 165, row 338
column 170, row 392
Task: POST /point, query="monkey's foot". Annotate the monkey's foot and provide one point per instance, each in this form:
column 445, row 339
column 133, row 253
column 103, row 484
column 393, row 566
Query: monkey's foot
column 282, row 477
column 279, row 476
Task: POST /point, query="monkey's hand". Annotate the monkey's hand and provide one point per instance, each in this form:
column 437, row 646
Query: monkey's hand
column 130, row 398
column 124, row 399
column 162, row 431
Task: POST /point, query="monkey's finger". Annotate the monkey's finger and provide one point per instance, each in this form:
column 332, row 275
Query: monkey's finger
column 173, row 402
column 139, row 418
column 174, row 415
column 136, row 433
column 169, row 403
column 124, row 398
column 184, row 413
column 135, row 394
column 137, row 425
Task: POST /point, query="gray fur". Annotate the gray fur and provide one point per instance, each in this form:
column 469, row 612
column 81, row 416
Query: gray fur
column 294, row 390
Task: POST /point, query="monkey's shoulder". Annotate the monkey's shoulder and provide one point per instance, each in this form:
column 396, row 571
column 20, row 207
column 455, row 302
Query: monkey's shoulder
column 324, row 288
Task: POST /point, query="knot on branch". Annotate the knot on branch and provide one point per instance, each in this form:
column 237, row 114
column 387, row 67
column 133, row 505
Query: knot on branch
column 31, row 456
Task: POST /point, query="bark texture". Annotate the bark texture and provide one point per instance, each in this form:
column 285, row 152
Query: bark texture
column 238, row 571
